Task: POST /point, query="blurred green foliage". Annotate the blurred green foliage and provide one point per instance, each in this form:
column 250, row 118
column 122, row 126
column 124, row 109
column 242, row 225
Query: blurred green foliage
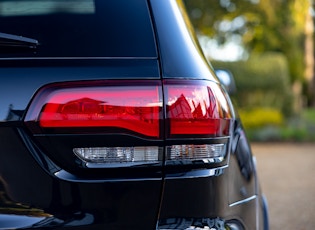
column 262, row 25
column 262, row 81
column 261, row 117
column 299, row 128
column 264, row 100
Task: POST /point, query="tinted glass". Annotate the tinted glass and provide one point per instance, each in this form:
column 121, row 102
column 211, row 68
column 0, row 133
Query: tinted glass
column 79, row 28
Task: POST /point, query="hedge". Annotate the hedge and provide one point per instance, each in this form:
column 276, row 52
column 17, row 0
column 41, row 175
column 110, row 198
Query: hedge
column 262, row 81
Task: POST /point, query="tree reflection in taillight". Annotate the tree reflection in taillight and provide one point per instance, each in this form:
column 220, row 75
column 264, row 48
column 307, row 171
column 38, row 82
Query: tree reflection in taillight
column 186, row 110
column 196, row 108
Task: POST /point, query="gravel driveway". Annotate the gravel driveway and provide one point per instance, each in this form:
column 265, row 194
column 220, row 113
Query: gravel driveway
column 287, row 177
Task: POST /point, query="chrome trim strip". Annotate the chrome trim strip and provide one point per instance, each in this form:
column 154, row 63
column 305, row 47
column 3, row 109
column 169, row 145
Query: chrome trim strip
column 243, row 201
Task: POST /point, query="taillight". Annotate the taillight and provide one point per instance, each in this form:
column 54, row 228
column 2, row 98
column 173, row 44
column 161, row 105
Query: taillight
column 195, row 114
column 196, row 108
column 118, row 107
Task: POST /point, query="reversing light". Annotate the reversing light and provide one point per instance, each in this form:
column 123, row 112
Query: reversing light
column 119, row 156
column 208, row 153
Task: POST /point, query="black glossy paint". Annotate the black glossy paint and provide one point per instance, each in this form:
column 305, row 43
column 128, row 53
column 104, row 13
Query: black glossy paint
column 181, row 56
column 30, row 188
column 43, row 187
column 20, row 79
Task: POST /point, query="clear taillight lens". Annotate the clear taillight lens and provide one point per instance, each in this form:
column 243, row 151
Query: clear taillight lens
column 208, row 153
column 122, row 156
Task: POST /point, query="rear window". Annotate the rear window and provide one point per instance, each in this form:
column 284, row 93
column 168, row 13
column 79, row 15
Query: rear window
column 78, row 28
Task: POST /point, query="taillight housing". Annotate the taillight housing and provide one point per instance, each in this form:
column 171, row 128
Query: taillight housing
column 196, row 111
column 179, row 120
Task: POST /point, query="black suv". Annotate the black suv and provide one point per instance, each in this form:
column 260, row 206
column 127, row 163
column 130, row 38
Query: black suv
column 111, row 118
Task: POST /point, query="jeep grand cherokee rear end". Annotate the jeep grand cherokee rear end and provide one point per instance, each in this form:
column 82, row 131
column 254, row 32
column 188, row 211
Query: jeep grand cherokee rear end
column 111, row 118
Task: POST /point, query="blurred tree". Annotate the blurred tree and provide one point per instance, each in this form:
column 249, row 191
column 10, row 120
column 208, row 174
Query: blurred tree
column 284, row 26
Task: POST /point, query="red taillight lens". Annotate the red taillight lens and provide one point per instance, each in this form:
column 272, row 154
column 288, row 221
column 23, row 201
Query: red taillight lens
column 124, row 106
column 196, row 108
